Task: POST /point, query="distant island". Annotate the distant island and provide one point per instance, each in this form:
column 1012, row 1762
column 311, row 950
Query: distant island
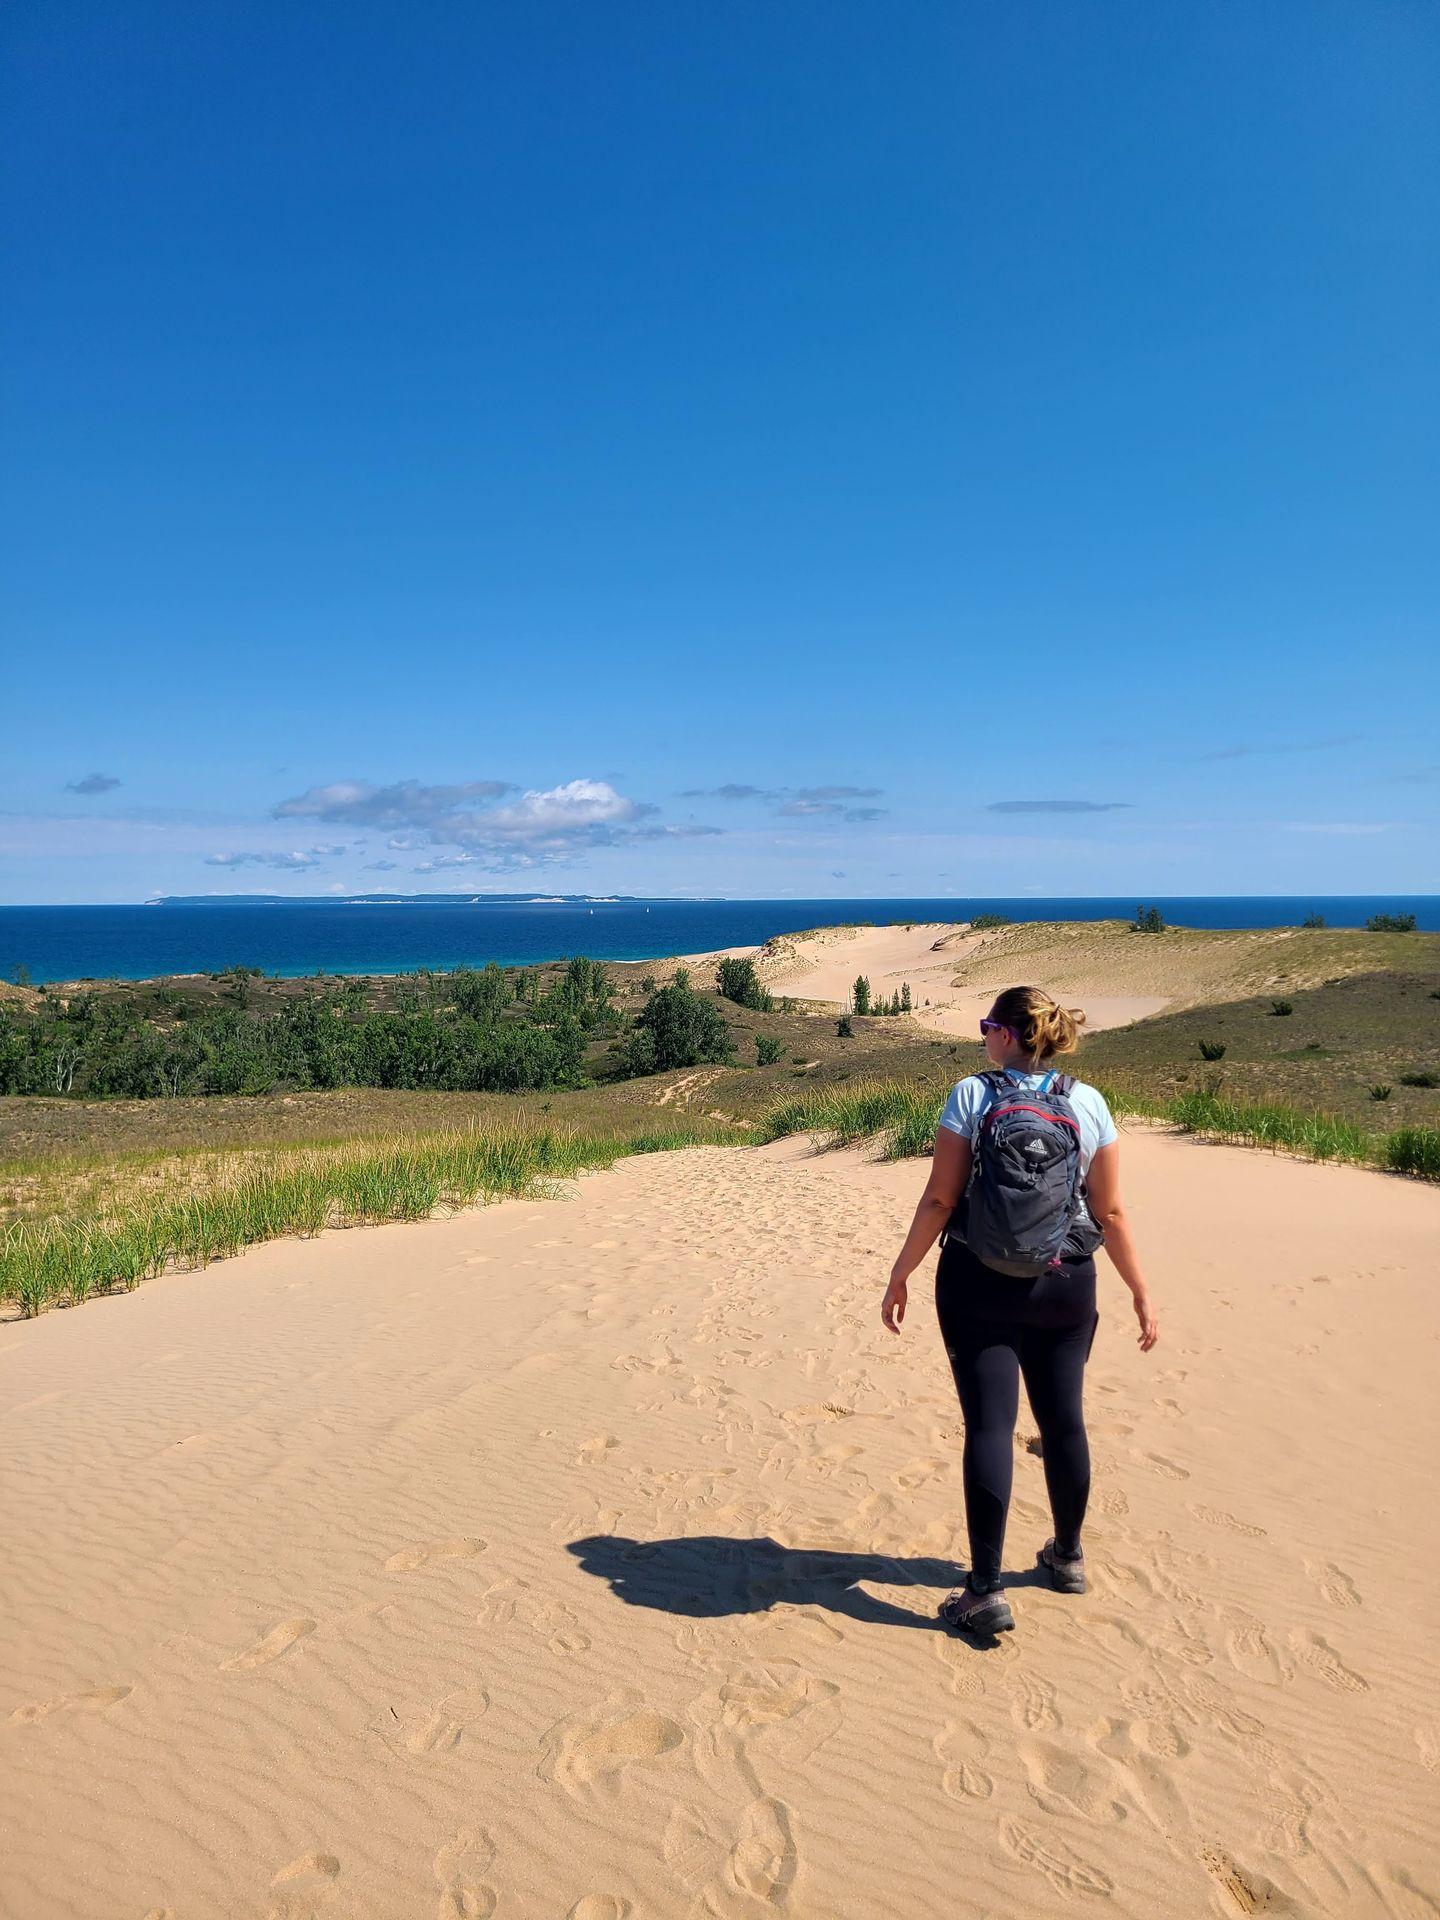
column 531, row 899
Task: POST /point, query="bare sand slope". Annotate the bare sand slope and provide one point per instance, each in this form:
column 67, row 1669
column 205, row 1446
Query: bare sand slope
column 580, row 1558
column 1114, row 974
column 935, row 959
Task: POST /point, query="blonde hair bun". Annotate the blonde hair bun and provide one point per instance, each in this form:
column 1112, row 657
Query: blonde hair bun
column 1041, row 1025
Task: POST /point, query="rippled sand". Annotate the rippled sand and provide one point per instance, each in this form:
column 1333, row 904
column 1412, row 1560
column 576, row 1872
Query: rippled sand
column 580, row 1559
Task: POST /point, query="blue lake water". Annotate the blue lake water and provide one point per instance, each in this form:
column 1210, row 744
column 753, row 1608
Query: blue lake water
column 301, row 937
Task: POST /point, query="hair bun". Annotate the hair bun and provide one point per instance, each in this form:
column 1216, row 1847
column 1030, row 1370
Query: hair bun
column 1042, row 1026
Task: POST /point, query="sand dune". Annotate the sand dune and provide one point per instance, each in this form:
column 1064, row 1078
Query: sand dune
column 579, row 1559
column 939, row 961
column 1115, row 975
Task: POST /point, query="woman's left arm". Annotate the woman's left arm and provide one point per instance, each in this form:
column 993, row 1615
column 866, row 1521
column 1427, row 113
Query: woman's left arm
column 949, row 1176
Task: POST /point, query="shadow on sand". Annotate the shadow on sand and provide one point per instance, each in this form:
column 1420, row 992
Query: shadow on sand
column 710, row 1575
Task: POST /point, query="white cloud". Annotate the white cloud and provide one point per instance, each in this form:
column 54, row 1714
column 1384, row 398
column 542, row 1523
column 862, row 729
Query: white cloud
column 544, row 825
column 405, row 803
column 298, row 861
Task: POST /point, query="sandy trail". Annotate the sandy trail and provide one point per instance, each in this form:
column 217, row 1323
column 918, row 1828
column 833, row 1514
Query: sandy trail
column 579, row 1559
column 823, row 966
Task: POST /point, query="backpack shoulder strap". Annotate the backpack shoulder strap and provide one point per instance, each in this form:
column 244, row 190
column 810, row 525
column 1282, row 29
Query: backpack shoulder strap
column 1061, row 1083
column 995, row 1084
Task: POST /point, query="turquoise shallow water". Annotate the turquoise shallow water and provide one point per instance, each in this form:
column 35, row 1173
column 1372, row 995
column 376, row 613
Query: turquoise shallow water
column 294, row 937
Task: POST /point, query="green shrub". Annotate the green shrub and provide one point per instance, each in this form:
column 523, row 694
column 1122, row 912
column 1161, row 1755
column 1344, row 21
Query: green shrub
column 1381, row 1092
column 1212, row 1049
column 845, row 1027
column 1420, row 1079
column 1280, row 1008
column 1148, row 920
column 1313, row 921
column 1390, row 923
column 677, row 1027
column 738, row 981
column 768, row 1050
column 988, row 922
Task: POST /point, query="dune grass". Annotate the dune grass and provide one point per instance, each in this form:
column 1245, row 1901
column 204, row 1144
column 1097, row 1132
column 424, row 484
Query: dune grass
column 906, row 1117
column 904, row 1113
column 304, row 1191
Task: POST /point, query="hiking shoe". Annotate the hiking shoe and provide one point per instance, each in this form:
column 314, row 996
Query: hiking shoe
column 971, row 1612
column 1066, row 1576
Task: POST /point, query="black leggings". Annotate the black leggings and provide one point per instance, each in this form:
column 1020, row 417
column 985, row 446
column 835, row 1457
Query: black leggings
column 995, row 1329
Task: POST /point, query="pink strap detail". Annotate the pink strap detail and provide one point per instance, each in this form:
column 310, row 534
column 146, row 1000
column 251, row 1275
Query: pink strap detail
column 1020, row 1107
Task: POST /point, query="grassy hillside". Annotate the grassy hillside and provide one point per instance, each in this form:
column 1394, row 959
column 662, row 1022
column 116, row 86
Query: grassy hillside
column 1365, row 1013
column 1189, row 965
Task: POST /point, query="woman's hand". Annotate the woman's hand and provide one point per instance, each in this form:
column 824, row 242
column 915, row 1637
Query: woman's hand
column 892, row 1307
column 1149, row 1325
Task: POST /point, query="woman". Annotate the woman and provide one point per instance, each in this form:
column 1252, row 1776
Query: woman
column 997, row 1328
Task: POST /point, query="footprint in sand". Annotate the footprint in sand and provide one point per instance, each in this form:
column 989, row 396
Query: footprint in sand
column 1167, row 1469
column 1243, row 1890
column 92, row 1700
column 1217, row 1517
column 445, row 1727
column 296, row 1889
column 761, row 1696
column 1251, row 1653
column 1034, row 1706
column 278, row 1640
column 560, row 1629
column 600, row 1906
column 1066, row 1872
column 583, row 1752
column 693, row 1847
column 764, row 1859
column 918, row 1471
column 1161, row 1739
column 595, row 1449
column 1336, row 1587
column 497, row 1603
column 1325, row 1663
column 1110, row 1427
column 411, row 1559
column 1112, row 1501
column 760, row 1859
column 958, row 1746
column 460, row 1867
column 1427, row 1741
column 1207, row 1700
column 1064, row 1783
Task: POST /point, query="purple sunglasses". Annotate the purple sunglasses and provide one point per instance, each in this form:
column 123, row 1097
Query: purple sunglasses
column 992, row 1026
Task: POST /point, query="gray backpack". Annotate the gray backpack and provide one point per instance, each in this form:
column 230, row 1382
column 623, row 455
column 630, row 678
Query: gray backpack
column 1024, row 1209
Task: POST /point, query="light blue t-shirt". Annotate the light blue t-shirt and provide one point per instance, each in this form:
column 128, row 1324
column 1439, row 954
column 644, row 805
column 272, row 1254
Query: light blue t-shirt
column 968, row 1099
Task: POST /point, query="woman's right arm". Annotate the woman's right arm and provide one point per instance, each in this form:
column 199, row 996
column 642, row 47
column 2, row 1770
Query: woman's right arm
column 1103, row 1193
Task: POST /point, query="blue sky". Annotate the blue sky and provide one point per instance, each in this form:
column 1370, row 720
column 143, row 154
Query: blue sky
column 755, row 449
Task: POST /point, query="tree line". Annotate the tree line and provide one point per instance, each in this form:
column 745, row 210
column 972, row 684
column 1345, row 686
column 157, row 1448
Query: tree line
column 471, row 1030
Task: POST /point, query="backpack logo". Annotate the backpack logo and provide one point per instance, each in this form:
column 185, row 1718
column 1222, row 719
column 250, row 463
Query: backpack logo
column 1036, row 1147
